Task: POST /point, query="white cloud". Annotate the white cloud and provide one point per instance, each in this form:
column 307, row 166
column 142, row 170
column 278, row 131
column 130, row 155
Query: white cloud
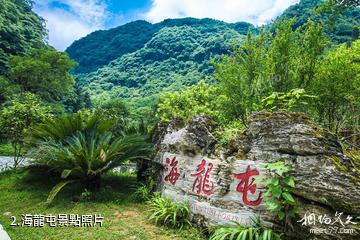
column 71, row 20
column 255, row 11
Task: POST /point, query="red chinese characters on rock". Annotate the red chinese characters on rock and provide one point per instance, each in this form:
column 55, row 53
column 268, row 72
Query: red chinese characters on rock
column 245, row 186
column 171, row 171
column 202, row 183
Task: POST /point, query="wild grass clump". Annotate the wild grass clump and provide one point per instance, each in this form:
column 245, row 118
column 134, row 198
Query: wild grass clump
column 170, row 213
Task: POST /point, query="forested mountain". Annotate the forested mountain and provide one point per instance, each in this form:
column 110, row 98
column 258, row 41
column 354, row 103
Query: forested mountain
column 100, row 47
column 140, row 59
column 340, row 23
column 177, row 55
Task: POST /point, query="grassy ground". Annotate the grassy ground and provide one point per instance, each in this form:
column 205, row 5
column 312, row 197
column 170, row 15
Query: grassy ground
column 25, row 193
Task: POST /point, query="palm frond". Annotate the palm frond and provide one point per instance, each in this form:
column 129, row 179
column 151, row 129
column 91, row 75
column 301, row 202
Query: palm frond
column 56, row 189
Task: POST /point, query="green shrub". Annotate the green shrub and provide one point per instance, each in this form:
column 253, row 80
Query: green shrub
column 192, row 101
column 170, row 213
column 294, row 100
column 239, row 232
column 279, row 195
column 230, row 132
column 82, row 149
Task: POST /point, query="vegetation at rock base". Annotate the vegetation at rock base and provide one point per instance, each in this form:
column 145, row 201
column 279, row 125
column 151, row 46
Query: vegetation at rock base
column 279, row 195
column 258, row 232
column 168, row 212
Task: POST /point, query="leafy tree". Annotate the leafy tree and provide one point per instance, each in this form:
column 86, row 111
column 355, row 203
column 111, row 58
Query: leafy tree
column 282, row 57
column 44, row 72
column 279, row 195
column 117, row 111
column 16, row 119
column 337, row 87
column 311, row 44
column 195, row 100
column 113, row 109
column 339, row 21
column 78, row 99
column 273, row 66
column 82, row 149
column 241, row 77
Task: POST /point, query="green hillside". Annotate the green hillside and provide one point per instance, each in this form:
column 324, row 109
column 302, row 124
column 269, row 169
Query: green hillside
column 340, row 24
column 139, row 60
column 177, row 55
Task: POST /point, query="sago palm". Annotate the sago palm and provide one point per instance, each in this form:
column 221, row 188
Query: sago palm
column 81, row 150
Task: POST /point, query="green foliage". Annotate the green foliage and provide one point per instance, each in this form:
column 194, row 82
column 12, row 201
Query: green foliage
column 7, row 89
column 44, row 72
column 82, row 149
column 170, row 213
column 16, row 119
column 278, row 197
column 347, row 3
column 101, row 47
column 295, row 101
column 239, row 232
column 192, row 101
column 86, row 195
column 312, row 44
column 6, row 149
column 337, row 87
column 20, row 30
column 229, row 132
column 117, row 111
column 282, row 56
column 176, row 56
column 339, row 21
column 270, row 62
column 113, row 109
column 77, row 100
column 241, row 77
column 142, row 192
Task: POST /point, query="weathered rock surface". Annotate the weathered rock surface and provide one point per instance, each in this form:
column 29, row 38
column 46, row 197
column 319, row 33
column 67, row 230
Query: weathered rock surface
column 218, row 182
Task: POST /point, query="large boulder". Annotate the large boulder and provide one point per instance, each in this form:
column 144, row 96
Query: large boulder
column 219, row 181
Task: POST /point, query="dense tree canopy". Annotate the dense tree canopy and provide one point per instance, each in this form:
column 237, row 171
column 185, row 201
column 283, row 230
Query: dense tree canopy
column 20, row 29
column 44, row 72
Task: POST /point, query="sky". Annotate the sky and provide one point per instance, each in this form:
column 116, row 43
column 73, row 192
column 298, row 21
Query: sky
column 69, row 20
